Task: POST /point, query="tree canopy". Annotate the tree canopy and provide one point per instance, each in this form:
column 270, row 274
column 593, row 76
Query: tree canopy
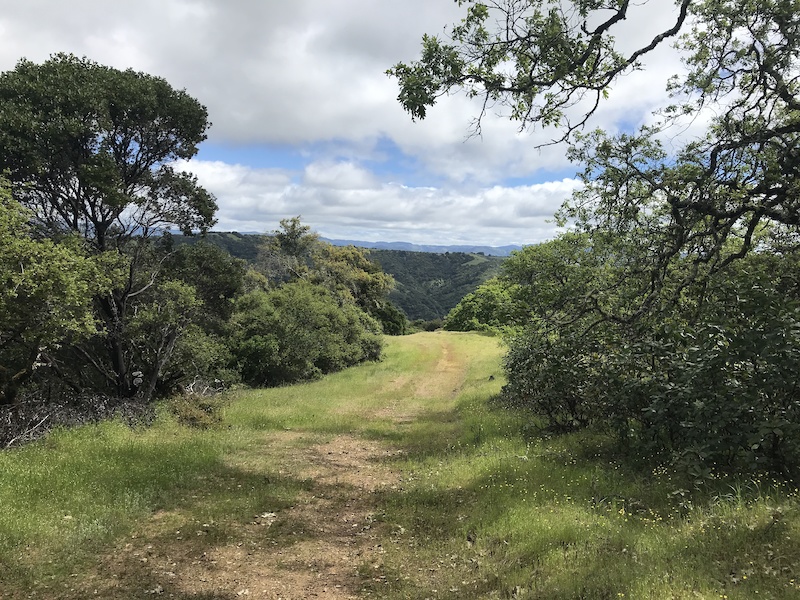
column 551, row 63
column 45, row 297
column 89, row 149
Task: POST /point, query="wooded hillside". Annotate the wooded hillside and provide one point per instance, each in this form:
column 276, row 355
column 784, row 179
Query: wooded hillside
column 428, row 285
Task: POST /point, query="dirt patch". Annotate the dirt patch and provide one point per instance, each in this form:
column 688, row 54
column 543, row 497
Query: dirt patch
column 324, row 546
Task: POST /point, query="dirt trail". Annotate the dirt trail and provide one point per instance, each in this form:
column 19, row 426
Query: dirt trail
column 336, row 518
column 327, row 545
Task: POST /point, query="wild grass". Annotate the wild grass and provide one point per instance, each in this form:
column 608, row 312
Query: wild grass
column 488, row 506
column 501, row 511
column 73, row 494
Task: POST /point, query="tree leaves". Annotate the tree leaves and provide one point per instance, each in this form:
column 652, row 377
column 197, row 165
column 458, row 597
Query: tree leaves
column 85, row 143
column 46, row 294
column 536, row 58
column 89, row 151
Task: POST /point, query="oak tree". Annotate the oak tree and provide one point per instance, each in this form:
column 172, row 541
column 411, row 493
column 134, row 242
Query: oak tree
column 89, row 150
column 550, row 63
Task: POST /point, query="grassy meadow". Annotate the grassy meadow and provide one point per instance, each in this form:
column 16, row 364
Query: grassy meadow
column 483, row 505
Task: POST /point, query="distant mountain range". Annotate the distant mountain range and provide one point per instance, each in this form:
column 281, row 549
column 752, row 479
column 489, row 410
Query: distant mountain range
column 408, row 247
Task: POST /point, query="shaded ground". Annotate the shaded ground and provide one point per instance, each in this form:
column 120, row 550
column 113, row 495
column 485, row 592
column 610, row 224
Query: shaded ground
column 324, row 546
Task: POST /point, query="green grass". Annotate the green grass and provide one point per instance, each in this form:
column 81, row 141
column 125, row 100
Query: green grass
column 487, row 508
column 502, row 512
column 351, row 401
column 78, row 491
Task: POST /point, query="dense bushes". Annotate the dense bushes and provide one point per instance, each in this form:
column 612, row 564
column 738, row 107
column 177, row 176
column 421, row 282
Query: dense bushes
column 706, row 382
column 199, row 321
column 297, row 332
column 309, row 311
column 46, row 294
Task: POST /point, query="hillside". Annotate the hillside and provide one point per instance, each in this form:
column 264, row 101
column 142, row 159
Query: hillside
column 429, row 284
column 239, row 245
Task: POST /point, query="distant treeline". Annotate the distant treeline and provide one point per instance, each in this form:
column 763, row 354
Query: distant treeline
column 429, row 284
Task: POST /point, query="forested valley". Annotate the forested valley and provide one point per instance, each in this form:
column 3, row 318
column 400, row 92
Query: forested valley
column 427, row 285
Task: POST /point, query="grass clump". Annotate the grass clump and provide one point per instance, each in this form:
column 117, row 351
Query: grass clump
column 85, row 486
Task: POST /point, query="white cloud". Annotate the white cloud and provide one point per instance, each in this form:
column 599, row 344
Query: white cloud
column 256, row 200
column 338, row 176
column 310, row 73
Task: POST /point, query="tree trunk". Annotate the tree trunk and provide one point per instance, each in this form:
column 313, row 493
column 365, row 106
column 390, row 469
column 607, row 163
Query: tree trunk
column 162, row 357
column 113, row 314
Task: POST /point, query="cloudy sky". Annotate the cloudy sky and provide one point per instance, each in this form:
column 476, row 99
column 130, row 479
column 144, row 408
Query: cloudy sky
column 305, row 122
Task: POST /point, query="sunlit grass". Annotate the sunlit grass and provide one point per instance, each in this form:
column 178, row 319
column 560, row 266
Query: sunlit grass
column 64, row 497
column 488, row 506
column 507, row 513
column 354, row 400
column 87, row 485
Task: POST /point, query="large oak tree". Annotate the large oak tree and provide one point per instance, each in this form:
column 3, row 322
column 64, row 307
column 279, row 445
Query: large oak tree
column 89, row 150
column 553, row 62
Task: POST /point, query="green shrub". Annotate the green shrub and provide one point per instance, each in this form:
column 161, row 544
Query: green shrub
column 492, row 307
column 392, row 319
column 707, row 382
column 298, row 332
column 430, row 325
